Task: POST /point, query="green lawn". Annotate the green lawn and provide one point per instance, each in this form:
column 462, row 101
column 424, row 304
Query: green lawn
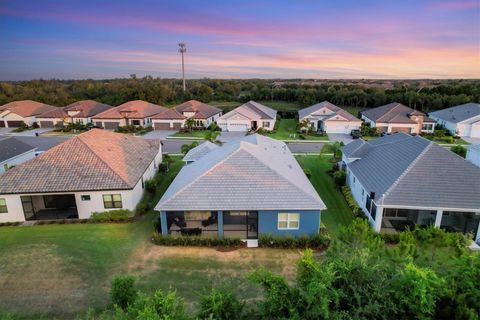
column 337, row 211
column 194, row 133
column 281, row 105
column 287, row 130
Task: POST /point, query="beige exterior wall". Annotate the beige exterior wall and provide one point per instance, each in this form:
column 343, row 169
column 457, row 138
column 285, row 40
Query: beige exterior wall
column 9, row 116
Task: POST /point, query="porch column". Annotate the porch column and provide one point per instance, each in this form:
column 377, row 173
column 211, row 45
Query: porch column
column 438, row 218
column 220, row 223
column 163, row 222
column 378, row 219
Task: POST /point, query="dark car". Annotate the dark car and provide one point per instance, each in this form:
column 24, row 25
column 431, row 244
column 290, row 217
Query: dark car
column 356, row 134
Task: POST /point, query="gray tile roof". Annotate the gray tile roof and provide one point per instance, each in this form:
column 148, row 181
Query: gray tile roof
column 302, row 113
column 199, row 151
column 391, row 113
column 458, row 113
column 412, row 171
column 251, row 110
column 12, row 147
column 252, row 173
column 94, row 160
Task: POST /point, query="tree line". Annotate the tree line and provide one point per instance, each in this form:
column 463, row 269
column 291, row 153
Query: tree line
column 421, row 95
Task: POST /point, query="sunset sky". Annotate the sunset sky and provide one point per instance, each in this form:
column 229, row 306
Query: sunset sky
column 240, row 39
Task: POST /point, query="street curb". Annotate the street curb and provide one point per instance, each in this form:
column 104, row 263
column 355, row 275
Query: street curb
column 306, row 141
column 185, row 138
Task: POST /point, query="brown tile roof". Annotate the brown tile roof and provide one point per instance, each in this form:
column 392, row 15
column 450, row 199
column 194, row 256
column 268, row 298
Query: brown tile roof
column 56, row 113
column 87, row 108
column 94, row 160
column 169, row 114
column 136, row 109
column 393, row 112
column 202, row 110
column 27, row 108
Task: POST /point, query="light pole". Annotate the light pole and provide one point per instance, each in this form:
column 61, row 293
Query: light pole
column 182, row 48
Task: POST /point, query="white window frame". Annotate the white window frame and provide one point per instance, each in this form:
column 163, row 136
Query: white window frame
column 289, row 220
column 4, row 205
column 267, row 124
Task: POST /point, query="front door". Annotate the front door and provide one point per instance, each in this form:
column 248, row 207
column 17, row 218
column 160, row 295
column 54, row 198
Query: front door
column 252, row 225
column 254, row 125
column 319, row 125
column 28, row 209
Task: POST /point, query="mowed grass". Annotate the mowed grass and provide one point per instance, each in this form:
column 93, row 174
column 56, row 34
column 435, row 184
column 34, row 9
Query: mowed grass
column 287, row 130
column 194, row 133
column 337, row 211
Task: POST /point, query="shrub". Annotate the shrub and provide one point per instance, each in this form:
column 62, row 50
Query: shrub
column 122, row 292
column 142, row 207
column 356, row 210
column 112, row 215
column 187, row 147
column 301, row 136
column 220, row 304
column 194, row 241
column 308, row 172
column 391, row 238
column 339, row 177
column 460, row 150
column 316, row 241
column 150, row 186
column 214, row 127
column 448, row 139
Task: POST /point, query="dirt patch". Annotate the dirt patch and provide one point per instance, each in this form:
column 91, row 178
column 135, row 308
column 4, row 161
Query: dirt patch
column 38, row 279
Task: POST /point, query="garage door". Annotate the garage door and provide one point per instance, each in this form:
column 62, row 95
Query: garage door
column 177, row 126
column 400, row 129
column 2, row 124
column 475, row 132
column 237, row 127
column 111, row 125
column 46, row 124
column 14, row 124
column 161, row 126
column 337, row 127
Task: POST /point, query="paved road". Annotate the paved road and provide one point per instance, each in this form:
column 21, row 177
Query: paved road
column 174, row 145
column 41, row 143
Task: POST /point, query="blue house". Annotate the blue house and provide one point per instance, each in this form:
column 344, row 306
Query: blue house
column 245, row 188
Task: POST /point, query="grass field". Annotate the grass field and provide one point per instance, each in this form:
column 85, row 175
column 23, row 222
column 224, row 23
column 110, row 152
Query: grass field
column 194, row 133
column 287, row 130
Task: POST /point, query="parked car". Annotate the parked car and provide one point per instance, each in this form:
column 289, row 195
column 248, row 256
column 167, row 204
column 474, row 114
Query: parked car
column 355, row 134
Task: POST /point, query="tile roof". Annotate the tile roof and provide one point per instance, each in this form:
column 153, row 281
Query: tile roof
column 411, row 171
column 391, row 113
column 458, row 113
column 136, row 109
column 202, row 110
column 169, row 114
column 27, row 108
column 94, row 160
column 252, row 111
column 56, row 113
column 252, row 173
column 309, row 110
column 200, row 150
column 87, row 108
column 12, row 147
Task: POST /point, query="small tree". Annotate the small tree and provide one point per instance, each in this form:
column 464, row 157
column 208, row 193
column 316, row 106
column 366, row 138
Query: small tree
column 339, row 178
column 211, row 136
column 122, row 292
column 187, row 147
column 189, row 124
column 220, row 304
column 304, row 125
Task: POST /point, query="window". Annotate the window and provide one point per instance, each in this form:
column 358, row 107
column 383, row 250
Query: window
column 143, row 184
column 266, row 124
column 288, row 221
column 427, row 127
column 136, row 122
column 85, row 197
column 112, row 201
column 3, row 206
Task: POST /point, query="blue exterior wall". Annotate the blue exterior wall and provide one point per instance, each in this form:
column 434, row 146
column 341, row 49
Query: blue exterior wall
column 309, row 222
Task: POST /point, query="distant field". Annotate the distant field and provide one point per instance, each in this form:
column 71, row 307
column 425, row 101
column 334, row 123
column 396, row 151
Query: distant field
column 275, row 104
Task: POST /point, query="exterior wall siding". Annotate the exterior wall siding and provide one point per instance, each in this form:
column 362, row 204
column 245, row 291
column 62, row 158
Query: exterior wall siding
column 309, row 222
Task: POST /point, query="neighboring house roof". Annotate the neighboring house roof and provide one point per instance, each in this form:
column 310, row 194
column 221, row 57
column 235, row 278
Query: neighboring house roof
column 202, row 110
column 95, row 160
column 137, row 109
column 199, row 151
column 12, row 147
column 57, row 113
column 414, row 172
column 252, row 173
column 169, row 114
column 309, row 110
column 27, row 108
column 393, row 113
column 459, row 113
column 87, row 108
column 252, row 111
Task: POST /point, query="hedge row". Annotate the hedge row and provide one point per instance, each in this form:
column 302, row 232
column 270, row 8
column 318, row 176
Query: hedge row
column 357, row 211
column 317, row 241
column 120, row 215
column 195, row 241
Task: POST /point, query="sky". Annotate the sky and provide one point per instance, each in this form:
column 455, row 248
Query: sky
column 338, row 39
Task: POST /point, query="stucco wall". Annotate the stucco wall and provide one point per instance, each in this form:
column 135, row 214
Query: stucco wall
column 309, row 223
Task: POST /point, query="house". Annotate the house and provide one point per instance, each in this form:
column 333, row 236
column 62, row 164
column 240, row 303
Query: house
column 17, row 113
column 199, row 151
column 77, row 112
column 462, row 120
column 202, row 113
column 169, row 119
column 248, row 116
column 400, row 181
column 473, row 154
column 247, row 187
column 327, row 117
column 14, row 152
column 135, row 113
column 95, row 171
column 395, row 117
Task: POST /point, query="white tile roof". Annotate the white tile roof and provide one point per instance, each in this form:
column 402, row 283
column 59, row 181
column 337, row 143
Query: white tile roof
column 252, row 173
column 199, row 151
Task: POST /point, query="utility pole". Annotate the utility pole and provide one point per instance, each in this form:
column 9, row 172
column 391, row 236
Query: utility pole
column 182, row 48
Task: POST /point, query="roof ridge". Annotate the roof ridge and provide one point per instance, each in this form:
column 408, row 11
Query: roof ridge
column 394, row 107
column 364, row 143
column 404, row 173
column 102, row 160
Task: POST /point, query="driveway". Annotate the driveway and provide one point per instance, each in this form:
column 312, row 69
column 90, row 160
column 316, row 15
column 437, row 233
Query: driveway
column 343, row 137
column 26, row 133
column 159, row 134
column 472, row 140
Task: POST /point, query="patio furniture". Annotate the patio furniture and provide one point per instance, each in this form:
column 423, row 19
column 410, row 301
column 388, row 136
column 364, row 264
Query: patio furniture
column 191, row 231
column 211, row 220
column 179, row 222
